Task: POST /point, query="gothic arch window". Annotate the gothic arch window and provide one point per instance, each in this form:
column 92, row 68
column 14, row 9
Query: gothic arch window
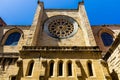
column 60, row 68
column 13, row 39
column 90, row 70
column 51, row 68
column 69, row 68
column 30, row 68
column 107, row 39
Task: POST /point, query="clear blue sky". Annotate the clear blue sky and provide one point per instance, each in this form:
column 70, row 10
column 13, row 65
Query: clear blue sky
column 21, row 12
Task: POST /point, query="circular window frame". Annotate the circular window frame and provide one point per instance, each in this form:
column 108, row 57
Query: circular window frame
column 68, row 19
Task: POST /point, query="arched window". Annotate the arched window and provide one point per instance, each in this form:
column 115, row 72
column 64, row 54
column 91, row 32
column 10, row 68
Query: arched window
column 60, row 68
column 30, row 68
column 69, row 69
column 51, row 68
column 89, row 64
column 13, row 39
column 107, row 39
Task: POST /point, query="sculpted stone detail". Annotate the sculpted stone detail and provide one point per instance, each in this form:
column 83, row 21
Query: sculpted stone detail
column 61, row 27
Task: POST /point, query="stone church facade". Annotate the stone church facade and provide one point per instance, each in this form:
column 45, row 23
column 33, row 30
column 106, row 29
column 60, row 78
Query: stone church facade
column 59, row 45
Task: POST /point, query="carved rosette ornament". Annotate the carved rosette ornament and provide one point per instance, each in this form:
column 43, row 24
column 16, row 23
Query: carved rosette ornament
column 61, row 26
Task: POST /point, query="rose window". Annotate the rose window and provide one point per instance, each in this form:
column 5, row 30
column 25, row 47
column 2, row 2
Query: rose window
column 60, row 28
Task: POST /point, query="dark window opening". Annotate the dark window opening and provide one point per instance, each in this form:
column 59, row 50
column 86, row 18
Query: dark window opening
column 10, row 61
column 69, row 69
column 4, row 63
column 30, row 68
column 60, row 68
column 107, row 39
column 13, row 77
column 13, row 39
column 51, row 69
column 90, row 69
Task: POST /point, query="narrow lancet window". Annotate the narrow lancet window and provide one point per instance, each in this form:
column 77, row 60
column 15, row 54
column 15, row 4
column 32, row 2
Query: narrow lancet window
column 69, row 67
column 51, row 68
column 30, row 68
column 60, row 69
column 90, row 69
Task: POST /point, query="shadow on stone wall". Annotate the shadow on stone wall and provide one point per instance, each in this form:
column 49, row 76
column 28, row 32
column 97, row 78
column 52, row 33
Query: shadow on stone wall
column 20, row 71
column 114, row 75
column 83, row 75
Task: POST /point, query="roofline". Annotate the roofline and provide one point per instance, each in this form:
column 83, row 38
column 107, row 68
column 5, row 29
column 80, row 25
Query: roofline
column 104, row 25
column 18, row 25
column 3, row 21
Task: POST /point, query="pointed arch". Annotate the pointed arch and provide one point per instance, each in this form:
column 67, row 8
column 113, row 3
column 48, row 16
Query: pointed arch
column 30, row 68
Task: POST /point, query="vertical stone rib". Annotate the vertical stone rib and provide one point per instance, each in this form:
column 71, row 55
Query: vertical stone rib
column 88, row 35
column 35, row 28
column 55, row 72
column 65, row 69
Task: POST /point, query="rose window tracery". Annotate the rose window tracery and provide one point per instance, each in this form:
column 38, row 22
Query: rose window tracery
column 60, row 28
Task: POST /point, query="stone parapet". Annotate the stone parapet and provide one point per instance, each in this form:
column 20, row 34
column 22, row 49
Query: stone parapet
column 11, row 55
column 58, row 48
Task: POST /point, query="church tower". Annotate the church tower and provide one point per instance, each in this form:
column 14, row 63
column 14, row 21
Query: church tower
column 61, row 46
column 71, row 25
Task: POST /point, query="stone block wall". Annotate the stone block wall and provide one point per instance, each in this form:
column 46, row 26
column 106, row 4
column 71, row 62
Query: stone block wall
column 79, row 65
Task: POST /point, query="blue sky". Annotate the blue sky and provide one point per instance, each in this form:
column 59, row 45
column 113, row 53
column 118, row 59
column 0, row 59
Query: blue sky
column 21, row 12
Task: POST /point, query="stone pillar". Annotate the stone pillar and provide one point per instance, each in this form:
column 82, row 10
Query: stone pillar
column 65, row 68
column 73, row 68
column 25, row 67
column 105, row 70
column 36, row 26
column 55, row 71
column 78, row 68
column 85, row 25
